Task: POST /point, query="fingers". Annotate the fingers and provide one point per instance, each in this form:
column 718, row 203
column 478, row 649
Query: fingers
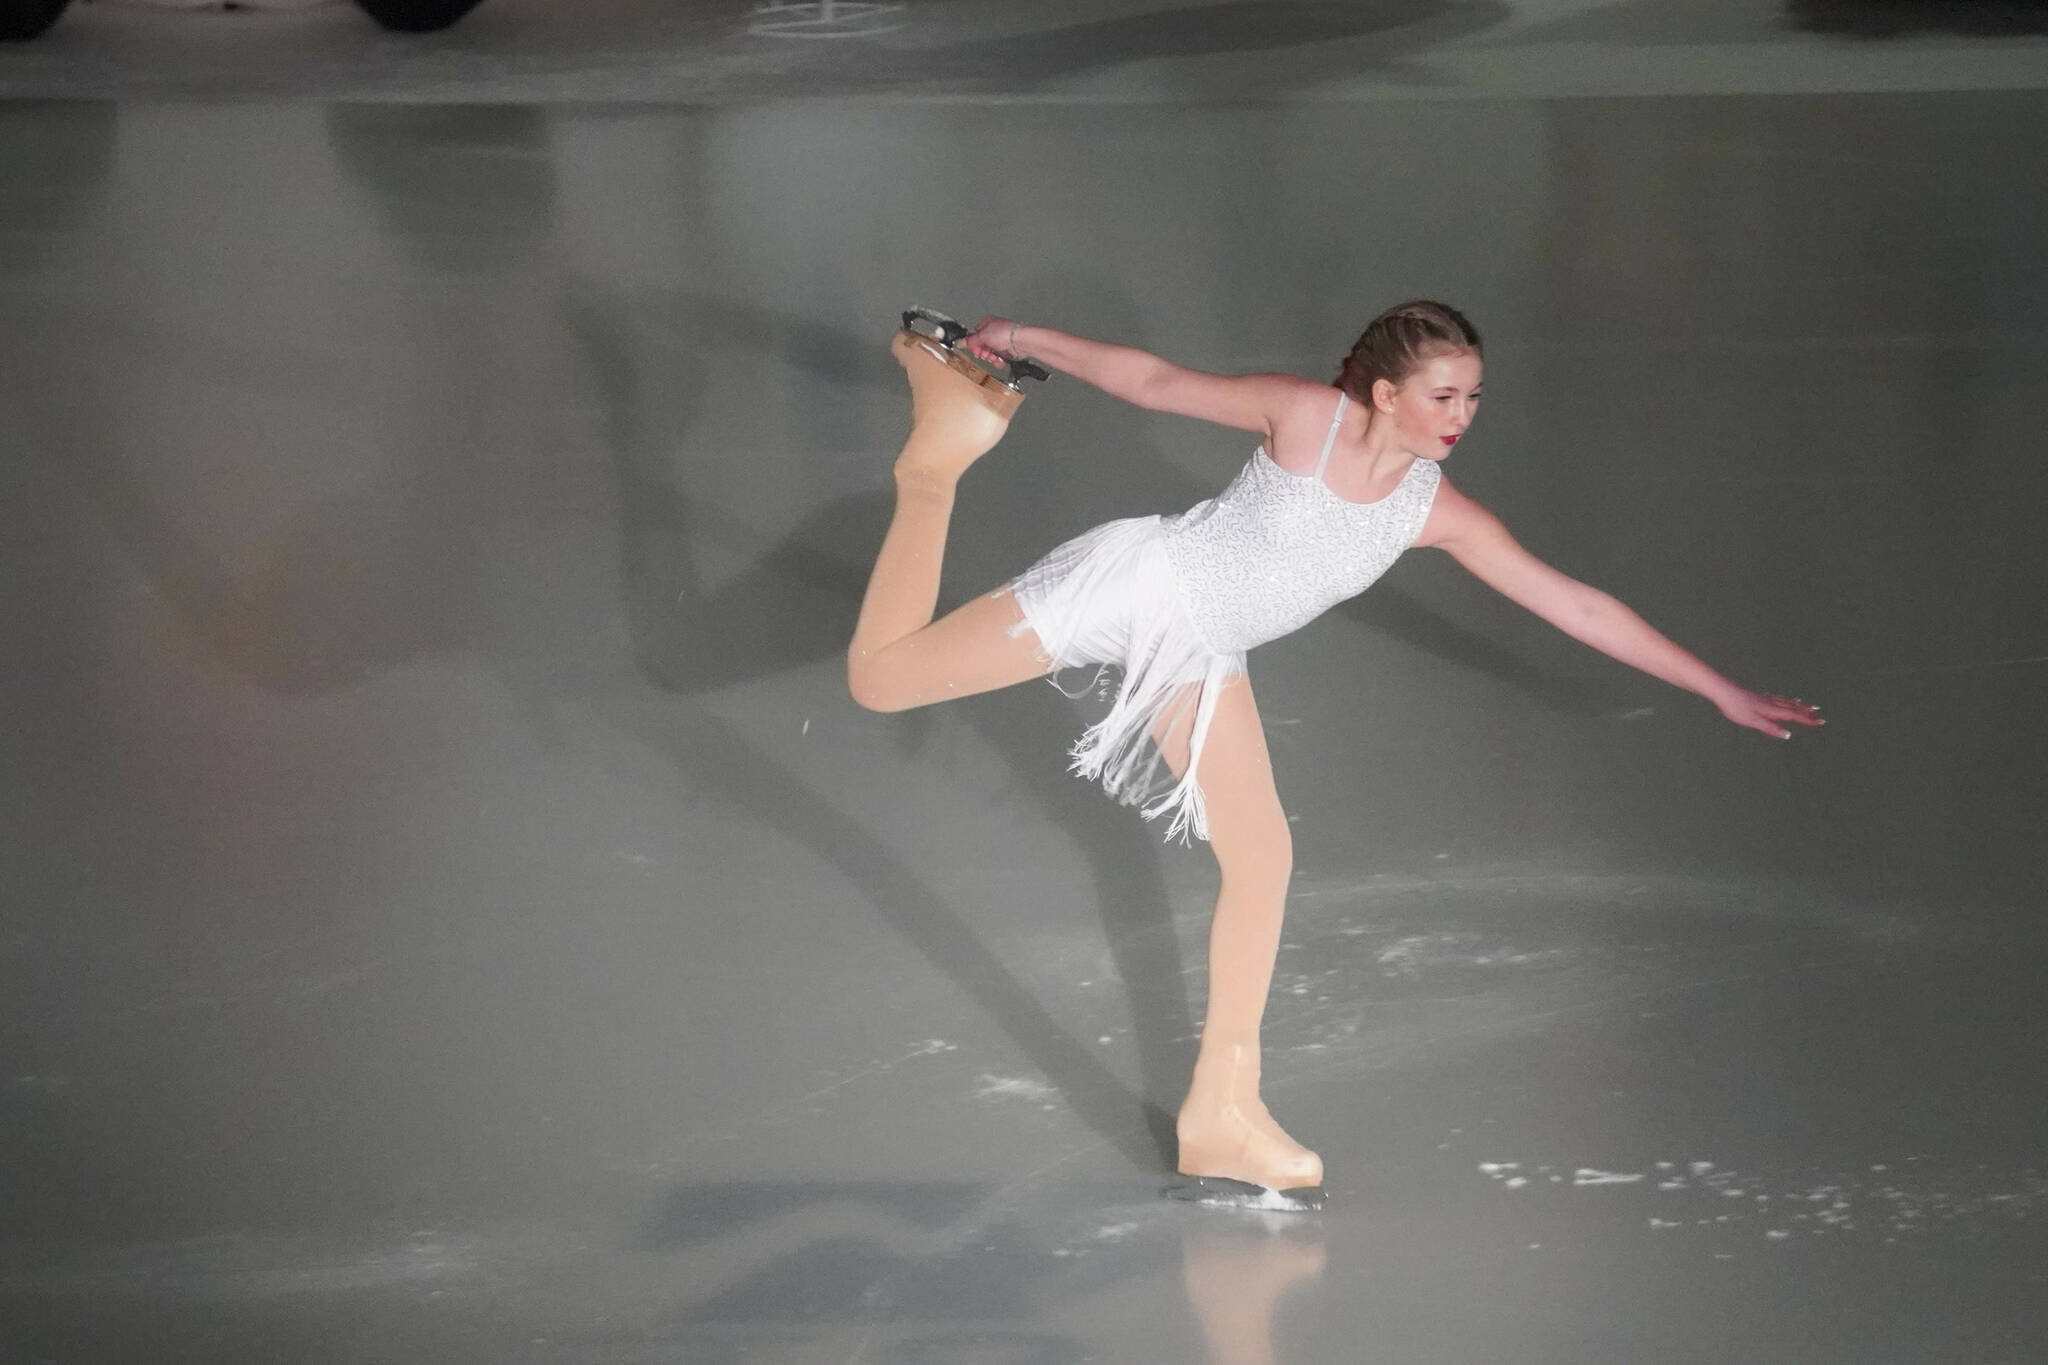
column 987, row 326
column 1799, row 713
column 1770, row 715
column 1790, row 710
column 1784, row 713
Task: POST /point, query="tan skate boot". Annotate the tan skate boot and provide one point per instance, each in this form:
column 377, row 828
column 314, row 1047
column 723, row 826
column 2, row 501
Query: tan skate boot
column 959, row 407
column 1227, row 1138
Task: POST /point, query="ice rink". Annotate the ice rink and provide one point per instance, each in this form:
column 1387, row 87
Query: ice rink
column 451, row 911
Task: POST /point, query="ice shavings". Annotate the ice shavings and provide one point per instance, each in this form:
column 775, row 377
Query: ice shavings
column 1417, row 953
column 1889, row 1199
column 1012, row 1087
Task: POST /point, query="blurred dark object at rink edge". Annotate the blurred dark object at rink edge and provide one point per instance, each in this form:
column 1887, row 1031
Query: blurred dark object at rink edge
column 21, row 20
column 1897, row 18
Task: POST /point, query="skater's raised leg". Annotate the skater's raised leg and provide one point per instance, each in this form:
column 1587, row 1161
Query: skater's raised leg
column 1224, row 1129
column 899, row 657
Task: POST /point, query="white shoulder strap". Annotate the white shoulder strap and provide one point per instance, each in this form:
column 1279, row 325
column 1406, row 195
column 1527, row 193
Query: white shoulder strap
column 1343, row 401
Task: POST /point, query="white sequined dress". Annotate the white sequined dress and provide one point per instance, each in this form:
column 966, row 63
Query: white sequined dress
column 1174, row 602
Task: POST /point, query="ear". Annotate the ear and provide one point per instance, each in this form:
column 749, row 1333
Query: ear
column 1383, row 392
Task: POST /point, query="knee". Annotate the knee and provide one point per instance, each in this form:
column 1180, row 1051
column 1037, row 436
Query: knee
column 869, row 684
column 1258, row 856
column 1278, row 859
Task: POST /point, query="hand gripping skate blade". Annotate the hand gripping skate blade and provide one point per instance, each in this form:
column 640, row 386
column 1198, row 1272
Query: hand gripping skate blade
column 1002, row 398
column 1221, row 1192
column 941, row 337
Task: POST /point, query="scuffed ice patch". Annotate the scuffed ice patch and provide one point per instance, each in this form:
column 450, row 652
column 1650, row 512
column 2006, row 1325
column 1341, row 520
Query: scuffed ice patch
column 256, row 1267
column 1889, row 1201
column 993, row 1087
column 1417, row 953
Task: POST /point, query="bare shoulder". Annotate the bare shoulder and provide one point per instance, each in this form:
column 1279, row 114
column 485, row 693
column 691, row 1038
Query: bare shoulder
column 1301, row 421
column 1456, row 520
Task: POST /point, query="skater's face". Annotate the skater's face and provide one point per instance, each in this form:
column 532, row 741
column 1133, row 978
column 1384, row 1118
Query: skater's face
column 1432, row 407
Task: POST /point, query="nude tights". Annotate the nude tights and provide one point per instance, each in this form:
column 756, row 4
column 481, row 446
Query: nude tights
column 901, row 658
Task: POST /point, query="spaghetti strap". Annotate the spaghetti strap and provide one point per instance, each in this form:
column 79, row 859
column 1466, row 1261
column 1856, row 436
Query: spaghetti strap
column 1343, row 401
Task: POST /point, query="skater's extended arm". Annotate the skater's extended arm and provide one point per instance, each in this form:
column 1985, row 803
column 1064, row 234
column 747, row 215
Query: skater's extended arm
column 1250, row 402
column 1477, row 540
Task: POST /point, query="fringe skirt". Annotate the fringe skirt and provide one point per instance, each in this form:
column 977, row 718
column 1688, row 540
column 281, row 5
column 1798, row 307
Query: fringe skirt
column 1108, row 598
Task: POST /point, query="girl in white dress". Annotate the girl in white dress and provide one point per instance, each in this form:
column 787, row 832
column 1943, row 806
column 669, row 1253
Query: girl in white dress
column 1345, row 479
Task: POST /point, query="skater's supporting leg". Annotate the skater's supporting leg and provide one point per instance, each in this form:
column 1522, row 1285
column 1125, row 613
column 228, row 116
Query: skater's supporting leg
column 1224, row 1128
column 899, row 658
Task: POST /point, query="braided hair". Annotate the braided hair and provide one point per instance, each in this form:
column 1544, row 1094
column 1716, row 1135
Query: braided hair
column 1400, row 340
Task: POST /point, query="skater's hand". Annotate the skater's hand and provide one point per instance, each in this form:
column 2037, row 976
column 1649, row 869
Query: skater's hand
column 991, row 339
column 1764, row 712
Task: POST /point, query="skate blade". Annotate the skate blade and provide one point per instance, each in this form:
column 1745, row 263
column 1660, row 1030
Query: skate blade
column 1221, row 1192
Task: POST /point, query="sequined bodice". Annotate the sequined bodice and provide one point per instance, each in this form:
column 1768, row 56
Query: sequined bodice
column 1275, row 550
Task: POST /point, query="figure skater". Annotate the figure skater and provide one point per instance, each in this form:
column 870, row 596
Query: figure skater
column 1345, row 479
